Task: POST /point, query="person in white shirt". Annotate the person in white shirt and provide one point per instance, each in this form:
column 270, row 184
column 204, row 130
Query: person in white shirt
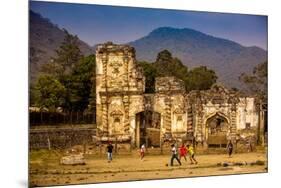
column 142, row 150
column 174, row 155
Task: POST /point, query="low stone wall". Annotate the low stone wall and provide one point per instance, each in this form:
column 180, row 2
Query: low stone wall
column 65, row 137
column 60, row 138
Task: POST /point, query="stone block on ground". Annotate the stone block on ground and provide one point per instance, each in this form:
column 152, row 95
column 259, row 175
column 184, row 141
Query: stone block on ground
column 73, row 160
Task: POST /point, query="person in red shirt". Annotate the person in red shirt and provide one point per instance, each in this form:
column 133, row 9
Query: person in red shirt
column 183, row 152
column 142, row 150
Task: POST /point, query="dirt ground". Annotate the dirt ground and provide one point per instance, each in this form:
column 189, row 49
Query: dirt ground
column 45, row 168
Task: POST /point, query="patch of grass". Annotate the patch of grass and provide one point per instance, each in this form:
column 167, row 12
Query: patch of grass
column 44, row 154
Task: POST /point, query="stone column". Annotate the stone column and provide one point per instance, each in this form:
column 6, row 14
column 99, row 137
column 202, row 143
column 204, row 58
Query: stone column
column 104, row 68
column 167, row 116
column 126, row 109
column 137, row 130
column 189, row 121
column 233, row 123
column 199, row 120
column 101, row 61
column 126, row 76
column 104, row 115
column 199, row 130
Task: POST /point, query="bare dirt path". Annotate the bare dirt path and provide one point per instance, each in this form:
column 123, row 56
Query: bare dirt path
column 130, row 167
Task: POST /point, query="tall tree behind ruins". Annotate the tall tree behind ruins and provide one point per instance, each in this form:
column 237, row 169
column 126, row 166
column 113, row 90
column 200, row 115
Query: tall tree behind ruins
column 70, row 70
column 257, row 82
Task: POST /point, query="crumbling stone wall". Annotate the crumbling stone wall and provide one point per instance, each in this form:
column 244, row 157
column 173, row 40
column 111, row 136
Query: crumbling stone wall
column 225, row 105
column 119, row 91
column 170, row 102
column 120, row 86
column 205, row 118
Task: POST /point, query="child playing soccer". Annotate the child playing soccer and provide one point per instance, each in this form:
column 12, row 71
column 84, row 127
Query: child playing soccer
column 174, row 155
column 191, row 154
column 183, row 152
column 142, row 150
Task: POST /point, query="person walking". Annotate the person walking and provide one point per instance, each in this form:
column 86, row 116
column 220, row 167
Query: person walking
column 142, row 151
column 229, row 148
column 191, row 154
column 174, row 155
column 109, row 152
column 250, row 146
column 183, row 152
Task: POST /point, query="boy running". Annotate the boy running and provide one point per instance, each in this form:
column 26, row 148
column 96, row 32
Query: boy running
column 191, row 154
column 183, row 152
column 174, row 155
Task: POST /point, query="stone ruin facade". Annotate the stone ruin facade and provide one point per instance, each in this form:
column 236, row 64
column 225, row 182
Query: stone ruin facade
column 128, row 115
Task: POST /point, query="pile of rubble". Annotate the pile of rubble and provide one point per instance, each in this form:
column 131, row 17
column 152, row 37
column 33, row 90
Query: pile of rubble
column 226, row 164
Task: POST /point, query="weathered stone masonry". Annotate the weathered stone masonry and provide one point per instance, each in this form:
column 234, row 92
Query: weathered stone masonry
column 127, row 114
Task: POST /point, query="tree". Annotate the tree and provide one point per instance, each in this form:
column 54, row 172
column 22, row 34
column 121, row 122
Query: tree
column 71, row 79
column 32, row 95
column 79, row 84
column 167, row 65
column 48, row 92
column 73, row 71
column 150, row 72
column 257, row 81
column 163, row 63
column 178, row 69
column 200, row 78
column 67, row 55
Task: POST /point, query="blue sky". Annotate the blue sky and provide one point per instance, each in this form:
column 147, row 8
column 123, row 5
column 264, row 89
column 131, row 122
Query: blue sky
column 97, row 23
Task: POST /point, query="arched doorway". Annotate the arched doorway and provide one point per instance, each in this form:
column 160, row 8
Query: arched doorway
column 148, row 125
column 217, row 129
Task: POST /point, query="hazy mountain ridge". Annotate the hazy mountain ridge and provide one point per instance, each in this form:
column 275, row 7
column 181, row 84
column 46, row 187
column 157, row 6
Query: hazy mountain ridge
column 44, row 38
column 229, row 59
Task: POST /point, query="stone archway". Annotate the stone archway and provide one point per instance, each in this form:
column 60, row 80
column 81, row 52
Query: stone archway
column 217, row 129
column 148, row 124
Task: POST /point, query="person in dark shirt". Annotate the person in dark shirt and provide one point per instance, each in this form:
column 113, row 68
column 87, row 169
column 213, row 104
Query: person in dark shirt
column 109, row 152
column 229, row 148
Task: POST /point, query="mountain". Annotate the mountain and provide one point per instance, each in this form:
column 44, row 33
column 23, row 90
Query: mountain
column 229, row 59
column 44, row 38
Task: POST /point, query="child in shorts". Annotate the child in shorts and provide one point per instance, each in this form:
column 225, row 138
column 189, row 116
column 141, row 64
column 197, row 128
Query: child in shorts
column 191, row 154
column 183, row 152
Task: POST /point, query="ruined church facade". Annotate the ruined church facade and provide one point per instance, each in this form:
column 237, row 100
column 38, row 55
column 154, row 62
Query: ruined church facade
column 124, row 112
